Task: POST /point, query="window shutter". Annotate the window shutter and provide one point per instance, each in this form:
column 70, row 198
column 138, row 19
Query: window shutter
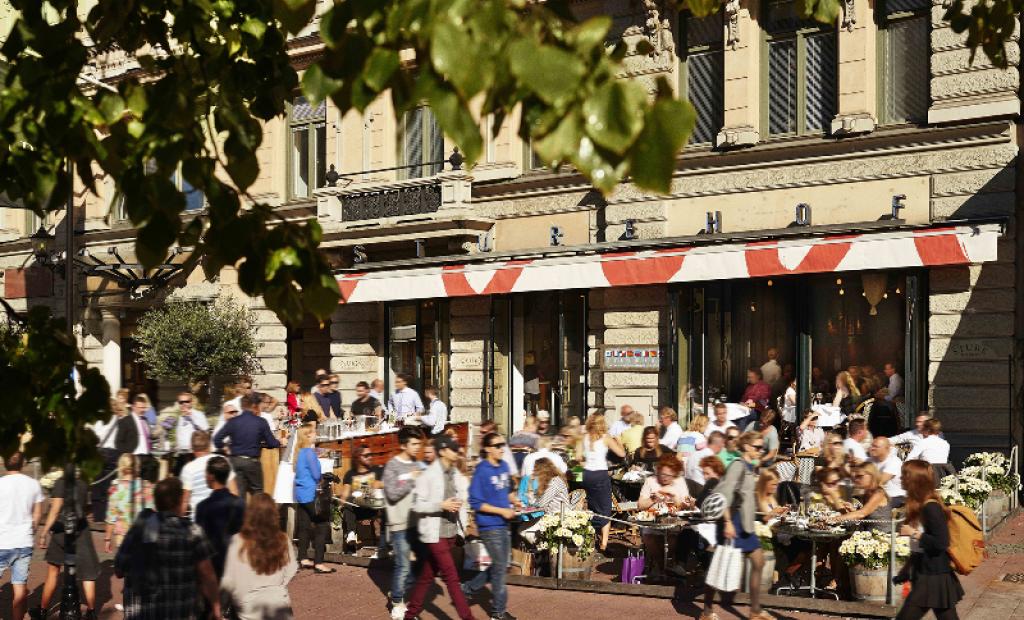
column 782, row 87
column 705, row 75
column 436, row 143
column 820, row 81
column 907, row 81
column 414, row 142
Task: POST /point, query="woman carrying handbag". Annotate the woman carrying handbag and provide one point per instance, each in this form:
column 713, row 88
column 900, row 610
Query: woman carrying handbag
column 934, row 585
column 738, row 488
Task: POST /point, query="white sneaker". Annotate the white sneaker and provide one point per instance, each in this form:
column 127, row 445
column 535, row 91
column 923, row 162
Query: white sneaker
column 398, row 611
column 351, row 538
column 118, row 607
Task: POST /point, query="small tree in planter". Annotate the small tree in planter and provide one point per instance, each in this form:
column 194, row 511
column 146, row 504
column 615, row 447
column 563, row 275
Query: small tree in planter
column 197, row 343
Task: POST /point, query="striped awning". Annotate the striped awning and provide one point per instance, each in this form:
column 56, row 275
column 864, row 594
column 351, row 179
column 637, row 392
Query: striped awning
column 928, row 247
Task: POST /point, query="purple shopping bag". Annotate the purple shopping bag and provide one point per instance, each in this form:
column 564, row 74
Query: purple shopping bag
column 639, row 565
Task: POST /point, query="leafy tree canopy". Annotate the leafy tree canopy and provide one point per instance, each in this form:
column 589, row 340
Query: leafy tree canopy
column 219, row 67
column 193, row 342
column 40, row 398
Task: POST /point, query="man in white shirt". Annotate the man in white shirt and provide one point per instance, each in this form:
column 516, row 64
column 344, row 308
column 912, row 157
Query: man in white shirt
column 668, row 428
column 193, row 474
column 895, row 387
column 932, row 447
column 721, row 423
column 405, row 402
column 716, row 443
column 890, row 467
column 771, row 371
column 912, row 437
column 377, row 391
column 20, row 511
column 543, row 452
column 622, row 423
column 437, row 415
column 853, row 445
column 189, row 421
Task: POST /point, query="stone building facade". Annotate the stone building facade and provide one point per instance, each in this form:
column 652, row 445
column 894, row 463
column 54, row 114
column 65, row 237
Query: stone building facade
column 482, row 280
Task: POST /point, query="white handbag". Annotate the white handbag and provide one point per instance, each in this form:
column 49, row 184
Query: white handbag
column 726, row 570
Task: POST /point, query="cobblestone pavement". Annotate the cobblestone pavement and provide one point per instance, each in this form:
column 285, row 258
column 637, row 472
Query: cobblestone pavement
column 358, row 593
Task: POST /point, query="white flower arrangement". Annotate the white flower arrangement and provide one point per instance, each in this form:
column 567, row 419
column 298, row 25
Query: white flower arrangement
column 972, row 491
column 571, row 528
column 987, row 458
column 950, row 497
column 994, row 467
column 871, row 549
column 51, row 479
column 764, row 534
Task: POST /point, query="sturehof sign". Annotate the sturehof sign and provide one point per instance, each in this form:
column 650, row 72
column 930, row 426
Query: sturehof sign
column 632, row 358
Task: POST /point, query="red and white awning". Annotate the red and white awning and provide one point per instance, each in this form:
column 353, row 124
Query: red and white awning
column 952, row 245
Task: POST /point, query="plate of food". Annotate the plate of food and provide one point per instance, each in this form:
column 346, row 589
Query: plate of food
column 644, row 516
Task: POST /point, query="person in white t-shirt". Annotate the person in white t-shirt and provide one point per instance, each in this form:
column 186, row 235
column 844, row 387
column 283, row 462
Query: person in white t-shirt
column 193, row 474
column 721, row 422
column 853, row 445
column 189, row 421
column 912, row 437
column 20, row 511
column 933, row 448
column 668, row 428
column 405, row 403
column 716, row 443
column 622, row 423
column 771, row 371
column 890, row 467
column 436, row 416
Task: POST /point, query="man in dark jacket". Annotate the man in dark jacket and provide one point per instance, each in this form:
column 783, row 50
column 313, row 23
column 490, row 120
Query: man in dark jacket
column 221, row 514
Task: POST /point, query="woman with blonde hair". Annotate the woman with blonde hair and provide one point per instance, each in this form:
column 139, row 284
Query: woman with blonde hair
column 765, row 490
column 847, row 395
column 874, row 500
column 309, row 525
column 259, row 564
column 834, row 455
column 693, row 438
column 597, row 482
column 128, row 496
column 551, row 492
column 632, row 437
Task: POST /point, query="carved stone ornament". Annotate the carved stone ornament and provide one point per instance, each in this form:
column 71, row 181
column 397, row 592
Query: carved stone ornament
column 732, row 22
column 849, row 19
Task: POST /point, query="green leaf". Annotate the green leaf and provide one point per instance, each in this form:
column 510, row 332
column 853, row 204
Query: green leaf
column 591, row 33
column 381, row 65
column 667, row 126
column 561, row 144
column 457, row 122
column 294, row 14
column 552, row 74
column 281, row 257
column 614, row 114
column 316, row 86
column 450, row 50
column 254, row 27
column 321, row 297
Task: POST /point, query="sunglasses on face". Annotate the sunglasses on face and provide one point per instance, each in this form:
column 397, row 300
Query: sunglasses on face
column 334, row 382
column 757, row 446
column 837, row 443
column 496, row 445
column 831, row 484
column 184, row 402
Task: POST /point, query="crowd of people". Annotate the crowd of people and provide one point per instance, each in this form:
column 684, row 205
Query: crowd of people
column 197, row 528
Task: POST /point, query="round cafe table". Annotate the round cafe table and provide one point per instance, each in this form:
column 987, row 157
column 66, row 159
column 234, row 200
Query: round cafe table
column 815, row 536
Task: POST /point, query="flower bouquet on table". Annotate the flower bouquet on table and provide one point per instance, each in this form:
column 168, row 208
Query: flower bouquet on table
column 871, row 549
column 973, row 491
column 764, row 534
column 570, row 529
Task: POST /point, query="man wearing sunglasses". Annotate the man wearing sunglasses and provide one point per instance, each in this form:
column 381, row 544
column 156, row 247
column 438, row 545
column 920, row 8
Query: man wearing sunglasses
column 189, row 421
column 491, row 495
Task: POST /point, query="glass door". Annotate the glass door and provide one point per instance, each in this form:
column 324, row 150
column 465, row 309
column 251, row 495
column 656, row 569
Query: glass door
column 418, row 344
column 572, row 362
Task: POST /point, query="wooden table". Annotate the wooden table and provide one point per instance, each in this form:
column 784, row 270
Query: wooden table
column 382, row 446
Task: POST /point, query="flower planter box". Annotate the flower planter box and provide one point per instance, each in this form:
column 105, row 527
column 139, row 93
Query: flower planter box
column 573, row 567
column 997, row 506
column 871, row 584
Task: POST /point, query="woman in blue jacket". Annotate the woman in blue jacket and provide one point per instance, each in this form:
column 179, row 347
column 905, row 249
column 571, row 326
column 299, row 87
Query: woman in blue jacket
column 307, row 524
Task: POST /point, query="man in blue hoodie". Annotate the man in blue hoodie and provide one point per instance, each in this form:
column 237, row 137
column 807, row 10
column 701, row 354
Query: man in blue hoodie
column 491, row 496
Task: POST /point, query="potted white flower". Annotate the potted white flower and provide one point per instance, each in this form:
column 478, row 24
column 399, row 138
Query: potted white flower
column 994, row 468
column 973, row 491
column 572, row 531
column 867, row 554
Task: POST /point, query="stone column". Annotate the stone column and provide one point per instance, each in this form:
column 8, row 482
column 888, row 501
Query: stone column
column 858, row 65
column 274, row 337
column 742, row 118
column 469, row 332
column 110, row 330
column 356, row 348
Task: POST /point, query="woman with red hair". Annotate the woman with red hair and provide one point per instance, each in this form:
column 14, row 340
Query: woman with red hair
column 259, row 564
column 666, row 488
column 934, row 586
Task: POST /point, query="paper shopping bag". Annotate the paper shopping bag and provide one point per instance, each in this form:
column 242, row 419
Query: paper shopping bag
column 726, row 570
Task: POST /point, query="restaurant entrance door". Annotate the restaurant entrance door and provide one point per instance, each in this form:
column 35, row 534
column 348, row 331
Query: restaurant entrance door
column 547, row 346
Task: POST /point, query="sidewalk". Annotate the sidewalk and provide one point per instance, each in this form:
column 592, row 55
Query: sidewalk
column 988, row 596
column 358, row 593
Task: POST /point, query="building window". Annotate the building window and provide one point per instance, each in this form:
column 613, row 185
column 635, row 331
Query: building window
column 308, row 147
column 801, row 75
column 422, row 144
column 194, row 198
column 702, row 73
column 903, row 40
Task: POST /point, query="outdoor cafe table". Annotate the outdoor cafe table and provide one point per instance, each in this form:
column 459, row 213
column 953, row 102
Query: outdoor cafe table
column 815, row 536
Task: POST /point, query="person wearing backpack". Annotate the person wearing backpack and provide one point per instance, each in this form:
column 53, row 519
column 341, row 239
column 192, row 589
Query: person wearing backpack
column 934, row 586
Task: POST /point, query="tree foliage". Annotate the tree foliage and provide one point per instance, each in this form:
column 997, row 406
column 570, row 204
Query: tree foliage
column 37, row 360
column 194, row 343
